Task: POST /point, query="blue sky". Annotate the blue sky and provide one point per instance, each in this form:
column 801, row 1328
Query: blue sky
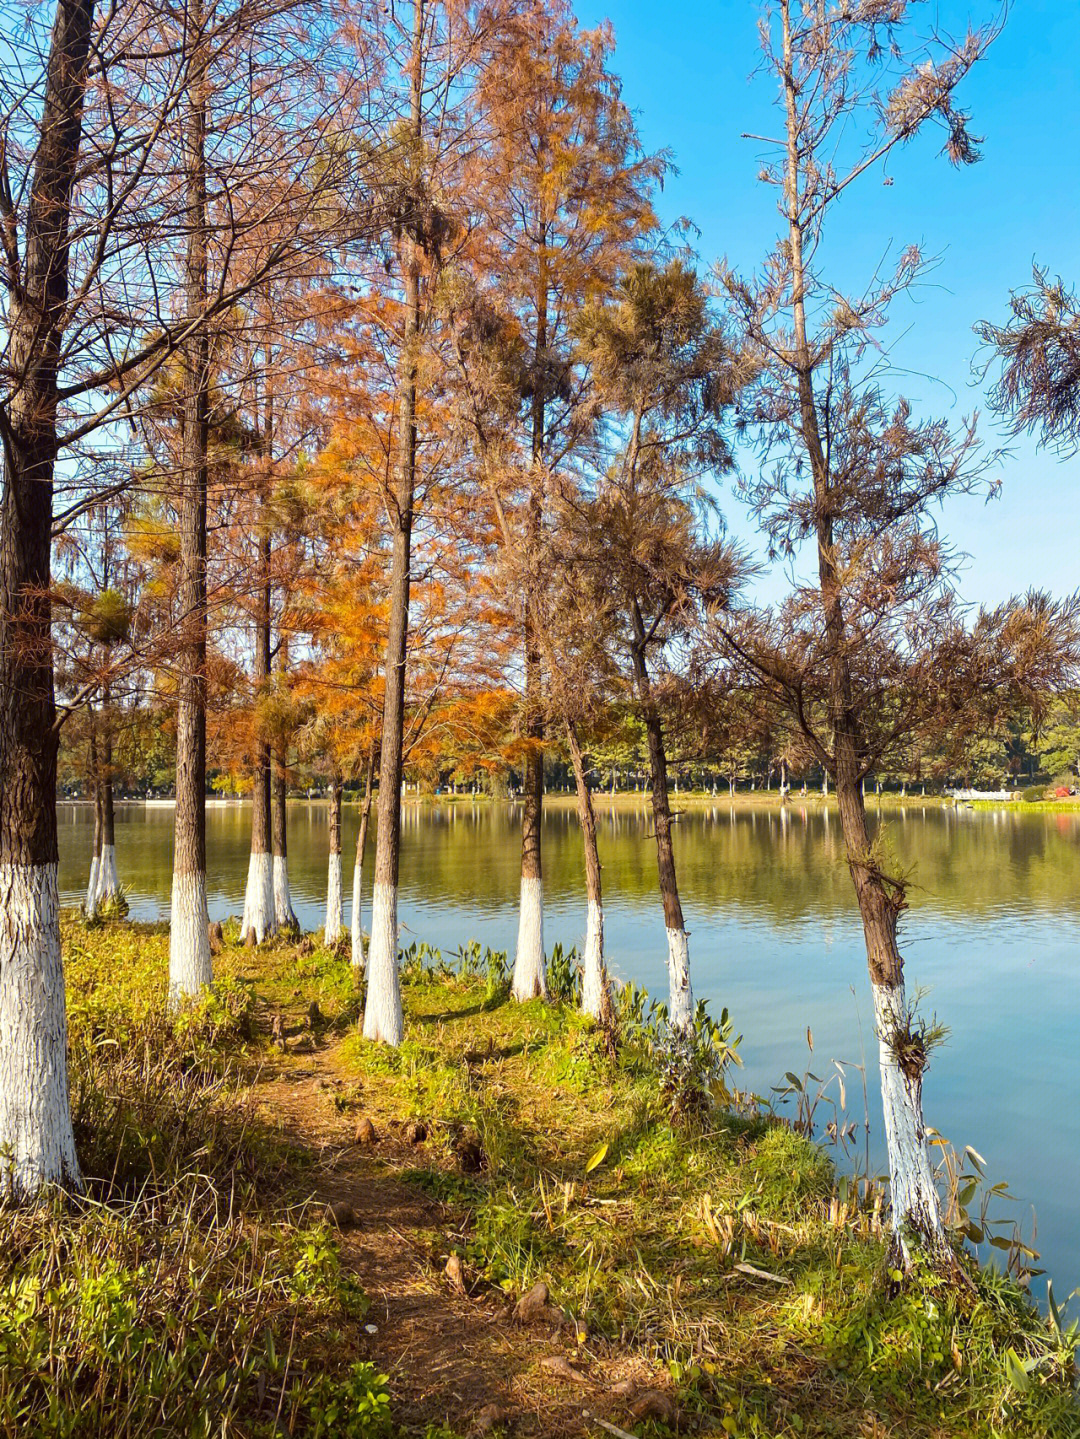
column 687, row 74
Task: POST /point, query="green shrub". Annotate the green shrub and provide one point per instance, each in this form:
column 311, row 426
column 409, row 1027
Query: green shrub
column 355, row 1407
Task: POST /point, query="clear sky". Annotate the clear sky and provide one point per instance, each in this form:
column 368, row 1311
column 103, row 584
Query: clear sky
column 687, row 66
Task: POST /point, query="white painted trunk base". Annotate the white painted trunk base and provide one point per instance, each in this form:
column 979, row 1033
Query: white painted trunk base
column 90, row 904
column 530, row 966
column 108, row 882
column 259, row 898
column 35, row 1112
column 284, row 914
column 332, row 928
column 680, row 994
column 595, row 994
column 357, row 920
column 104, row 881
column 915, row 1202
column 190, row 968
column 383, row 1019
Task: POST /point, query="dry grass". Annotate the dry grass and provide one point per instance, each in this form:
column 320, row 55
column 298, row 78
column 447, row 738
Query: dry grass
column 711, row 1268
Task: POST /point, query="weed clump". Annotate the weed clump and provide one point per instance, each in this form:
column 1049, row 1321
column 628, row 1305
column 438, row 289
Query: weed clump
column 167, row 1299
column 166, row 1316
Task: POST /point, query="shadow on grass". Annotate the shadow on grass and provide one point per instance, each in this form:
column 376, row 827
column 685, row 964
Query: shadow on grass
column 495, row 1054
column 447, row 1016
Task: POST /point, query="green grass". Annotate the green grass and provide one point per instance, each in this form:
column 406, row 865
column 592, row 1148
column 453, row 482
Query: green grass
column 188, row 1294
column 642, row 1250
column 1028, row 806
column 704, row 799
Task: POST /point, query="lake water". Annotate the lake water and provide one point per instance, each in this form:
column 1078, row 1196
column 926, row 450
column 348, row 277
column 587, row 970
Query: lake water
column 993, row 935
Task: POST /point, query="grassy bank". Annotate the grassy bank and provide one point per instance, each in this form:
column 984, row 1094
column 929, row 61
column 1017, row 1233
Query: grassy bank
column 769, row 799
column 705, row 1272
column 693, row 799
column 191, row 1291
column 1030, row 806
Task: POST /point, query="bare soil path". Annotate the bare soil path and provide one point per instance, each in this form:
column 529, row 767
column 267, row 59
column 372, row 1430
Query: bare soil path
column 454, row 1359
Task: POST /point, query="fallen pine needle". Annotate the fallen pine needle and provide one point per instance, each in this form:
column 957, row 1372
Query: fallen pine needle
column 763, row 1274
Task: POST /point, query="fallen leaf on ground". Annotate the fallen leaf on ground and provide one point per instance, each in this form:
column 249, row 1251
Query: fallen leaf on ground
column 534, row 1305
column 562, row 1369
column 455, row 1272
column 653, row 1404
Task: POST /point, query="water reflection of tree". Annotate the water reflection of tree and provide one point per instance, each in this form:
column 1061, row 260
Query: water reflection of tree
column 786, row 869
column 966, row 864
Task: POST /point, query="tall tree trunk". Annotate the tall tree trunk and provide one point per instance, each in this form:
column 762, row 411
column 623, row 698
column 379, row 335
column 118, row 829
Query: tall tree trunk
column 333, row 928
column 680, row 993
column 259, row 919
column 94, row 770
column 189, row 939
column 916, row 1207
column 108, row 882
column 36, row 1138
column 358, row 870
column 530, row 962
column 284, row 914
column 383, row 1018
column 595, row 986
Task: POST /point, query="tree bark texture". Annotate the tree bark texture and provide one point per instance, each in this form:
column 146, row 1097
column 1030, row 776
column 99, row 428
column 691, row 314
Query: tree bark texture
column 35, row 1119
column 259, row 916
column 108, row 880
column 530, row 962
column 358, row 870
column 915, row 1205
column 383, row 1019
column 680, row 992
column 90, row 906
column 189, row 940
column 333, row 929
column 284, row 914
column 595, row 985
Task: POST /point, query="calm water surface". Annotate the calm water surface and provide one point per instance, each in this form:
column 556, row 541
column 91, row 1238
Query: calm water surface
column 993, row 934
